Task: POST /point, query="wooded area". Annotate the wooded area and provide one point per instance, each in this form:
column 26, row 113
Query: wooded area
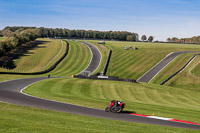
column 16, row 36
column 88, row 34
column 195, row 39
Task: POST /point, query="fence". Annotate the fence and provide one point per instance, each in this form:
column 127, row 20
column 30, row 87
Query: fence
column 115, row 78
column 178, row 70
column 107, row 62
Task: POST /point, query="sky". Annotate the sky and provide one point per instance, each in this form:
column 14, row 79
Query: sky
column 159, row 18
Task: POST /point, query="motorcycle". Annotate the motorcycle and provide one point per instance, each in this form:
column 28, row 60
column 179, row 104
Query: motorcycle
column 115, row 106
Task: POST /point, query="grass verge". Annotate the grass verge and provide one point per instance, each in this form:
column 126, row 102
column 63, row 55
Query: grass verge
column 189, row 78
column 104, row 52
column 171, row 68
column 40, row 57
column 76, row 61
column 140, row 98
column 17, row 119
column 134, row 63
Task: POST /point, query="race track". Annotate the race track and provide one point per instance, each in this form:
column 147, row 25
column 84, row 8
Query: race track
column 149, row 75
column 96, row 57
column 11, row 92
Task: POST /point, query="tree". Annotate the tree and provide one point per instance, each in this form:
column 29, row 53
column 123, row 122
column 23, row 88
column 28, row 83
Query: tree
column 150, row 39
column 130, row 38
column 0, row 34
column 169, row 39
column 144, row 38
column 174, row 39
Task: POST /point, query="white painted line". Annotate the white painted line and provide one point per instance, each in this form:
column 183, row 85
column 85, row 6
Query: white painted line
column 21, row 91
column 155, row 65
column 5, row 102
column 188, row 64
column 160, row 118
column 192, row 69
column 100, row 58
column 92, row 57
column 162, row 69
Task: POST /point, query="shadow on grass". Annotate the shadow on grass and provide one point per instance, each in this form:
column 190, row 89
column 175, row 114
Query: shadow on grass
column 7, row 61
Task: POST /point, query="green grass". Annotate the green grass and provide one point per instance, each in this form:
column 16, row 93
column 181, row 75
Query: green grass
column 2, row 38
column 133, row 64
column 189, row 78
column 17, row 119
column 196, row 67
column 104, row 52
column 140, row 98
column 42, row 57
column 76, row 61
column 181, row 101
column 171, row 68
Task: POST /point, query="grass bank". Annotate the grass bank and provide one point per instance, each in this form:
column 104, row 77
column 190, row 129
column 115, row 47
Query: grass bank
column 134, row 63
column 140, row 98
column 76, row 61
column 104, row 52
column 171, row 68
column 189, row 78
column 40, row 57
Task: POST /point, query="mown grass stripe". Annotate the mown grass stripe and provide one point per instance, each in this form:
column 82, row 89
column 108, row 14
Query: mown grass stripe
column 142, row 98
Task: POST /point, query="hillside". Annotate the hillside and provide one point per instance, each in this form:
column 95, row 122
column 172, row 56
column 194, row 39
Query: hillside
column 134, row 63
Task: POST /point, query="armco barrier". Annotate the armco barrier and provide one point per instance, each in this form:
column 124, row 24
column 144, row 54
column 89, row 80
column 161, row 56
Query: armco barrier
column 178, row 70
column 115, row 78
column 107, row 62
column 45, row 71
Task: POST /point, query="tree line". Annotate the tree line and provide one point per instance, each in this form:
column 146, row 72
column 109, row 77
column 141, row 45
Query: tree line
column 17, row 38
column 195, row 39
column 144, row 38
column 88, row 34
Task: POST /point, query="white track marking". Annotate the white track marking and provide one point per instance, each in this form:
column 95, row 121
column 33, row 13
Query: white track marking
column 188, row 64
column 21, row 91
column 155, row 66
column 162, row 69
column 92, row 57
column 160, row 118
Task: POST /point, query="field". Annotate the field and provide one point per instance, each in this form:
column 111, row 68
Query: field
column 77, row 60
column 25, row 119
column 178, row 99
column 140, row 98
column 189, row 79
column 40, row 57
column 171, row 68
column 134, row 63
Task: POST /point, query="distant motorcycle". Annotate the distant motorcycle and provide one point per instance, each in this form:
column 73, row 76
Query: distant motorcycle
column 115, row 106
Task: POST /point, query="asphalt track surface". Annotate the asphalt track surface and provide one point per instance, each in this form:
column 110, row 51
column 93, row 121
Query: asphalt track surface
column 11, row 92
column 96, row 57
column 149, row 75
